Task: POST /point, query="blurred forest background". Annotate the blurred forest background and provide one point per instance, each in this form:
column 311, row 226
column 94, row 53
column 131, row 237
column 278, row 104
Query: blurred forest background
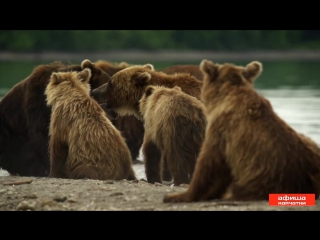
column 104, row 40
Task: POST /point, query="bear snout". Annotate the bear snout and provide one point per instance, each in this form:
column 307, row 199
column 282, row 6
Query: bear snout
column 95, row 94
column 99, row 94
column 92, row 92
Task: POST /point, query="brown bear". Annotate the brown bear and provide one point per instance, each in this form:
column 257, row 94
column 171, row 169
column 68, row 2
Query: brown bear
column 126, row 87
column 194, row 70
column 174, row 126
column 24, row 119
column 83, row 142
column 249, row 152
column 130, row 127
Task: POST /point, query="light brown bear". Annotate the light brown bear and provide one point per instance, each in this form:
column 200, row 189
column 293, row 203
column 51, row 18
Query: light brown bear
column 126, row 87
column 83, row 142
column 249, row 152
column 174, row 128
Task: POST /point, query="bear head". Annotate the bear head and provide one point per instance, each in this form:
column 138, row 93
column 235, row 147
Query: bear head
column 220, row 79
column 98, row 75
column 63, row 84
column 124, row 90
column 156, row 92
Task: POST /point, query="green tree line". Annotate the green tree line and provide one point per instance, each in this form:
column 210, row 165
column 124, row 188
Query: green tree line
column 101, row 40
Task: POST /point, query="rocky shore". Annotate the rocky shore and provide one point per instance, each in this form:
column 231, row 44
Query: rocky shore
column 53, row 194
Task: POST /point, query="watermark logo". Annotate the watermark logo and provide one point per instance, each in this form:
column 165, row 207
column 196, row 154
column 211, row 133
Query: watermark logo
column 292, row 200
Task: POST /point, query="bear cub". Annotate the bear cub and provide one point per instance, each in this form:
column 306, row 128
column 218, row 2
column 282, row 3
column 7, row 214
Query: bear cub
column 83, row 142
column 174, row 130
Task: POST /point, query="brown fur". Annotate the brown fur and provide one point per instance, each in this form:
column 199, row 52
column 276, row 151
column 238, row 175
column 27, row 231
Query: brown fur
column 24, row 120
column 310, row 143
column 83, row 141
column 127, row 86
column 193, row 70
column 248, row 151
column 130, row 127
column 110, row 67
column 174, row 124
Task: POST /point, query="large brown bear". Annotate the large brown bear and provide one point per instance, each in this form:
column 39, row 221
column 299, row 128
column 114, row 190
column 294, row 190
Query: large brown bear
column 248, row 151
column 194, row 70
column 174, row 125
column 130, row 127
column 125, row 88
column 24, row 120
column 83, row 142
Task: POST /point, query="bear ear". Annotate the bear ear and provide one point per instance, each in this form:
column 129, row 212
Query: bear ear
column 149, row 66
column 149, row 90
column 84, row 75
column 141, row 78
column 252, row 71
column 55, row 78
column 87, row 64
column 177, row 88
column 209, row 68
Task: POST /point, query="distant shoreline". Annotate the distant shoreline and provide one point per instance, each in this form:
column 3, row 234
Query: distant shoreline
column 166, row 55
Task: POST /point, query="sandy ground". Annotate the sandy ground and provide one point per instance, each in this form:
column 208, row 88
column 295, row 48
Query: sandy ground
column 19, row 193
column 54, row 194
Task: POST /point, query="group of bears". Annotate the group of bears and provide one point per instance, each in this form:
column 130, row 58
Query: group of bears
column 204, row 125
